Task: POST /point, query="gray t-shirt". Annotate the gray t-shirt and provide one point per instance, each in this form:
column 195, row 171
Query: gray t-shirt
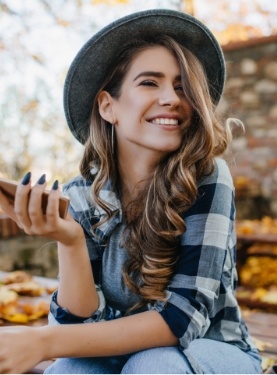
column 118, row 296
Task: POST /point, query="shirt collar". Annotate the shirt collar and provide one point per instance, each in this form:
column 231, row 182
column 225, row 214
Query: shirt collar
column 112, row 199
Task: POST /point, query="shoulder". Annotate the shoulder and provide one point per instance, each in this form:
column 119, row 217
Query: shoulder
column 215, row 193
column 221, row 175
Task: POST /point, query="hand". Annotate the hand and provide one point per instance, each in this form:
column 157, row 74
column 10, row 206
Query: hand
column 21, row 348
column 27, row 213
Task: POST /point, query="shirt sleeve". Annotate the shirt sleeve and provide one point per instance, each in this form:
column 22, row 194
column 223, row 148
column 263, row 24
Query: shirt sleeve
column 195, row 286
column 60, row 315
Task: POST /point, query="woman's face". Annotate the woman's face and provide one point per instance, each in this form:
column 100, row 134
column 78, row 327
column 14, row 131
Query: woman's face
column 152, row 112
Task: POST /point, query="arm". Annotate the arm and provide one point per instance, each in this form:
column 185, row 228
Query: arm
column 114, row 337
column 120, row 336
column 75, row 272
column 77, row 291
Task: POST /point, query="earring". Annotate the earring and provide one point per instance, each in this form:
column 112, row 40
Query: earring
column 112, row 139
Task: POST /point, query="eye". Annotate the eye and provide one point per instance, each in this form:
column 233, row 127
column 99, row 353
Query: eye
column 179, row 88
column 148, row 83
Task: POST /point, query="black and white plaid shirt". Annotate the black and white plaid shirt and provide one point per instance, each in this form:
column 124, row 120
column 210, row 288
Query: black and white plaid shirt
column 201, row 300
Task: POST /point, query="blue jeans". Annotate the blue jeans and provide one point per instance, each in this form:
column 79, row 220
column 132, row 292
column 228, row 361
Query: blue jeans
column 212, row 357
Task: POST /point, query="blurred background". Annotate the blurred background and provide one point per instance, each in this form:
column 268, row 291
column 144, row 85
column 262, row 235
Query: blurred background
column 39, row 39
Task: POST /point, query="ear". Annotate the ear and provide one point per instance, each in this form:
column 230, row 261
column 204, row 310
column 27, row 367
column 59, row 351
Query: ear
column 105, row 104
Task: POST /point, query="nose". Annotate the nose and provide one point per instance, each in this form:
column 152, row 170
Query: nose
column 169, row 97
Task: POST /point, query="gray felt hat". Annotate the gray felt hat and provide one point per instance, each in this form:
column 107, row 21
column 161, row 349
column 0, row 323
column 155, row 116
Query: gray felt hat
column 92, row 63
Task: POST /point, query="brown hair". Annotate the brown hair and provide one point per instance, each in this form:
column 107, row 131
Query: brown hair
column 154, row 220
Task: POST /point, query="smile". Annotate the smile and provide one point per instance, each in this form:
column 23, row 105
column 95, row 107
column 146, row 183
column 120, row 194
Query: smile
column 165, row 121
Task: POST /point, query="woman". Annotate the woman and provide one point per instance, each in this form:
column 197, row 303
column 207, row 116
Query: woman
column 147, row 252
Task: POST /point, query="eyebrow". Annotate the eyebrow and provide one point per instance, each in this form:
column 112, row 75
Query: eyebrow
column 154, row 74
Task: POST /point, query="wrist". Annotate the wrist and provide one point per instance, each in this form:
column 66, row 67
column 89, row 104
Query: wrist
column 60, row 341
column 39, row 344
column 70, row 233
column 50, row 339
column 78, row 242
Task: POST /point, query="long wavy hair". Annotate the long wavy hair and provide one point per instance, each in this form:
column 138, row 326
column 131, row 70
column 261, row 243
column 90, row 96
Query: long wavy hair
column 154, row 220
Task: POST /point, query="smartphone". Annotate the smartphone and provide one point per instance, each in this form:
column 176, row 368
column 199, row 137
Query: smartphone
column 8, row 187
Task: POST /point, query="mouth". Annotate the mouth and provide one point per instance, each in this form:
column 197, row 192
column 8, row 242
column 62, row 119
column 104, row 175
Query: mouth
column 165, row 121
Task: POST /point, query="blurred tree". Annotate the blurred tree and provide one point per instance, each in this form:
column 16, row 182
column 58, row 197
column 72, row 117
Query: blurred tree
column 34, row 135
column 234, row 20
column 238, row 20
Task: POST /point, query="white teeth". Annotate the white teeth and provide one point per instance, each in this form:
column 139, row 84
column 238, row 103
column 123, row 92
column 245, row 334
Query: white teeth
column 165, row 121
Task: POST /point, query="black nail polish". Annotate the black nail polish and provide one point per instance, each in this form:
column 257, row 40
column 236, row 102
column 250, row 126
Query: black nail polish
column 26, row 178
column 55, row 185
column 42, row 179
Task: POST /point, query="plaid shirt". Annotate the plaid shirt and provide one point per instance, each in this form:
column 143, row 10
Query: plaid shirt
column 201, row 300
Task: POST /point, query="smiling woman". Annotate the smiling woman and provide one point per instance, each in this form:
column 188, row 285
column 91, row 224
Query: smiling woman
column 147, row 251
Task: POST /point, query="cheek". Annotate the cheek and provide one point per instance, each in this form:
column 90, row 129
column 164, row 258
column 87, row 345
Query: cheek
column 188, row 109
column 134, row 107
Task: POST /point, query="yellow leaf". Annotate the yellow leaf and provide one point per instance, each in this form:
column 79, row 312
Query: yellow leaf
column 36, row 316
column 16, row 318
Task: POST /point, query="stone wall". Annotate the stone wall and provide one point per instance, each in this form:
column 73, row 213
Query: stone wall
column 251, row 95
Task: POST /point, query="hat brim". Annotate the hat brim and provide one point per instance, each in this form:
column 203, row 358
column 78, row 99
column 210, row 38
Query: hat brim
column 92, row 63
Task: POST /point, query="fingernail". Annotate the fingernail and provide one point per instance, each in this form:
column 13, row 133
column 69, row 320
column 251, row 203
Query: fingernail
column 42, row 179
column 26, row 178
column 55, row 185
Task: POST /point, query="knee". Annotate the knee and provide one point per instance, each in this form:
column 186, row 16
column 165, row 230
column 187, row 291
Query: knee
column 70, row 366
column 168, row 360
column 60, row 366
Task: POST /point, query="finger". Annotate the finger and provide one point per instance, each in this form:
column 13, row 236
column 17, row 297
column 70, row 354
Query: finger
column 52, row 210
column 35, row 204
column 22, row 200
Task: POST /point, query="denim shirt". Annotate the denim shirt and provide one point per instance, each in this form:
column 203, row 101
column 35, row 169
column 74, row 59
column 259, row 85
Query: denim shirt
column 200, row 300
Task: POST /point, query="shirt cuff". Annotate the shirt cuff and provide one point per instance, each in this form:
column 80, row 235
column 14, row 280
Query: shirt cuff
column 64, row 316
